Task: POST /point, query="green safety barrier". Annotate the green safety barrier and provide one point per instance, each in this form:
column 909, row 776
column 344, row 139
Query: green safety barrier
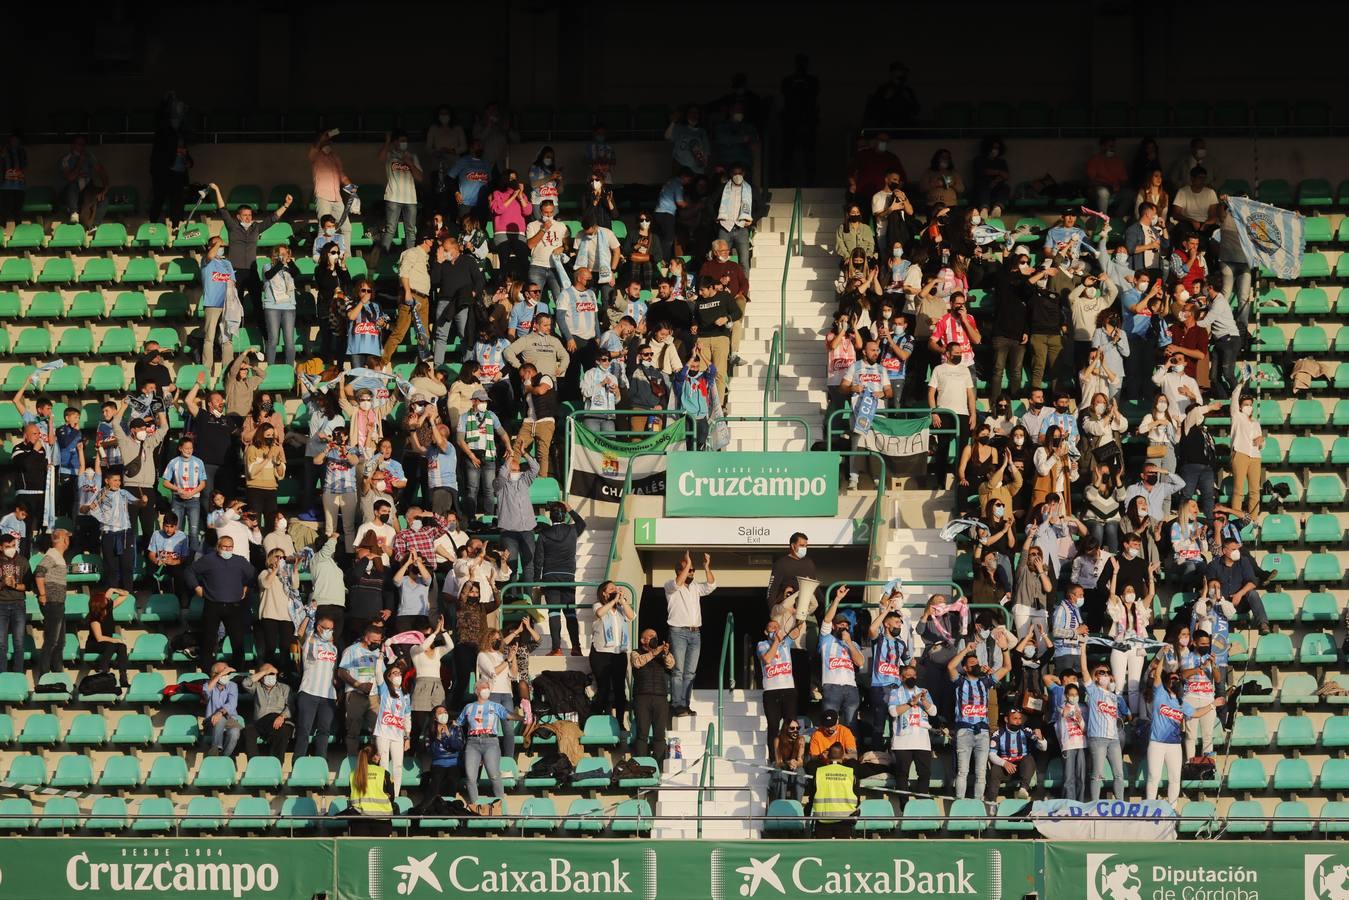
column 725, row 673
column 415, row 868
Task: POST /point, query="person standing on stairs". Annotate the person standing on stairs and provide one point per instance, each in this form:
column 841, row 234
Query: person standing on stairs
column 714, row 312
column 684, row 615
column 866, row 375
column 779, row 687
column 651, row 665
column 734, row 279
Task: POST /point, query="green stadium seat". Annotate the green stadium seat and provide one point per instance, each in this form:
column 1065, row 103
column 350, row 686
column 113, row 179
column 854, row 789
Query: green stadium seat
column 1284, row 564
column 1339, row 451
column 130, row 305
column 1325, row 490
column 1317, row 649
column 244, row 195
column 1320, row 607
column 1341, row 414
column 98, row 271
column 1275, row 191
column 16, row 814
column 1311, row 302
column 251, row 814
column 87, row 305
column 1307, row 451
column 11, row 307
column 1335, row 730
column 146, row 688
column 6, row 729
column 74, row 771
column 1249, row 731
column 875, row 816
column 1295, row 732
column 218, row 773
column 632, row 817
column 1247, row 775
column 67, row 236
column 1317, row 230
column 1274, row 648
column 40, row 730
column 153, row 815
column 278, row 234
column 108, row 378
column 1279, row 528
column 1311, row 339
column 77, row 340
column 27, row 769
column 66, row 380
column 191, row 236
column 1279, row 607
column 13, row 687
column 46, row 305
column 308, row 772
column 652, row 781
column 1298, row 689
column 57, row 271
column 182, row 270
column 167, row 773
column 1314, row 265
column 921, row 815
column 1293, row 817
column 59, row 814
column 87, row 729
column 601, row 731
column 586, row 816
column 262, row 772
column 179, row 731
column 1237, row 187
column 277, row 196
column 1334, row 775
column 540, row 816
column 170, row 305
column 33, row 342
column 120, row 772
column 544, row 491
column 118, row 342
column 1293, row 774
column 16, row 270
column 149, row 648
column 141, row 270
column 135, row 730
column 1323, row 568
column 794, row 821
column 591, row 772
column 203, row 814
column 151, row 236
column 67, row 687
column 279, row 377
column 968, row 816
column 26, row 236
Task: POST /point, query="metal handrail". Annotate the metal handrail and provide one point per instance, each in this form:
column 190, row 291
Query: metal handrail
column 914, row 413
column 602, row 413
column 880, row 498
column 800, row 420
column 778, row 348
column 702, row 774
column 526, row 607
column 771, row 376
column 956, row 591
column 727, row 651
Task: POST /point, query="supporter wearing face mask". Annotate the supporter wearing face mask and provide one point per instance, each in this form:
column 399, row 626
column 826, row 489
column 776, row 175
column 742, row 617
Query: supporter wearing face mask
column 515, row 512
column 735, row 214
column 217, row 283
column 224, row 579
column 1106, row 713
column 316, row 700
column 445, row 740
column 271, row 713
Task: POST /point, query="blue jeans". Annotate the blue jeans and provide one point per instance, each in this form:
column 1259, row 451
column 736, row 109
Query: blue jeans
column 1074, row 775
column 507, row 727
column 599, row 423
column 1101, row 748
column 480, row 751
column 786, row 785
column 843, row 699
column 481, row 485
column 738, row 238
column 448, row 323
column 280, row 324
column 971, row 753
column 1199, row 477
column 685, row 645
column 392, row 213
column 225, row 734
column 189, row 519
column 547, row 280
column 14, row 623
column 521, row 545
column 1138, row 366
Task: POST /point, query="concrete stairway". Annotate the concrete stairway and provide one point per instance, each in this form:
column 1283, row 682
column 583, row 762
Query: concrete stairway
column 920, row 558
column 741, row 790
column 810, row 302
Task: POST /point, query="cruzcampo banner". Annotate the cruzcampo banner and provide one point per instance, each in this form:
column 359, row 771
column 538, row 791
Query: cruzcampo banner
column 58, row 868
column 1198, row 870
column 599, row 464
column 417, row 869
column 752, row 484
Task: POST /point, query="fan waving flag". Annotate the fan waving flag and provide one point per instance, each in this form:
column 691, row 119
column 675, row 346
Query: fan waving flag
column 903, row 442
column 1271, row 237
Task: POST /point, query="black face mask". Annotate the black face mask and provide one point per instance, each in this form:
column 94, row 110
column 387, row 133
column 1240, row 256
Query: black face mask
column 910, row 682
column 854, row 218
column 1062, row 409
column 1149, row 479
column 1202, row 651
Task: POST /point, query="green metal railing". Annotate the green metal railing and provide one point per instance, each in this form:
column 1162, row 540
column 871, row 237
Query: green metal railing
column 724, row 674
column 531, row 607
column 873, row 530
column 778, row 348
column 831, row 431
column 614, row 413
column 703, row 783
column 798, row 420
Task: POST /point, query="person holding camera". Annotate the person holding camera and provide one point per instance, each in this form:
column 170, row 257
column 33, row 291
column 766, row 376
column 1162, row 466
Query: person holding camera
column 695, row 391
column 651, row 667
column 402, row 171
column 339, row 461
column 279, row 281
column 264, row 467
column 557, row 563
column 609, row 644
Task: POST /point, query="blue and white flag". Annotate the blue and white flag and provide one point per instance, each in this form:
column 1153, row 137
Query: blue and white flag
column 1270, row 237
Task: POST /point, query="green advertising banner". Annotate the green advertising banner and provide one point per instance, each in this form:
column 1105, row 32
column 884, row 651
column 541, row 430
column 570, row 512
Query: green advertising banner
column 1198, row 870
column 57, row 868
column 724, row 485
column 679, row 870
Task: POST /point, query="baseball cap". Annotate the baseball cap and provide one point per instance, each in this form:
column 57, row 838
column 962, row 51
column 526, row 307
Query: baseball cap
column 479, row 395
column 830, row 717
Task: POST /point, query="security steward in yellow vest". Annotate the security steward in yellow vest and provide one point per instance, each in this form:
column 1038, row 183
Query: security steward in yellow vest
column 834, row 801
column 371, row 806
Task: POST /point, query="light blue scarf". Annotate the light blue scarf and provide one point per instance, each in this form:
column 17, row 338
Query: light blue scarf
column 726, row 211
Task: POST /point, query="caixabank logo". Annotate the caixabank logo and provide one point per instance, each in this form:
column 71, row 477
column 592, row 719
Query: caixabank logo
column 767, row 877
column 436, row 873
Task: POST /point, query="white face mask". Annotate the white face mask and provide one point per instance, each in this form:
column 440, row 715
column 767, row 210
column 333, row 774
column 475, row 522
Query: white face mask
column 1019, row 440
column 737, row 179
column 596, row 184
column 329, row 231
column 1247, row 408
column 547, row 161
column 800, row 552
column 1131, row 552
column 219, row 252
column 402, row 145
column 138, row 435
column 415, row 525
column 1078, row 601
column 269, row 681
column 367, row 404
column 1098, row 408
column 1161, row 405
column 1234, row 555
column 444, row 118
column 1129, row 597
column 443, row 718
column 999, row 511
column 881, row 145
column 514, row 476
column 976, row 219
column 484, row 696
column 327, row 148
column 11, row 552
column 227, row 554
column 1090, row 293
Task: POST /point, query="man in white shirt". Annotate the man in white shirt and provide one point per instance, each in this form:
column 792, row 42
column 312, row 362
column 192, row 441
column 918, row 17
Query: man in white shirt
column 1195, row 206
column 950, row 387
column 379, row 524
column 684, row 615
column 544, row 239
column 1181, row 390
column 1224, row 342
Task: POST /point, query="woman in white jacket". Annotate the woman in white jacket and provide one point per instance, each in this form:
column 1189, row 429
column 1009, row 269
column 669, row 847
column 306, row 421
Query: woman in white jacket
column 1130, row 617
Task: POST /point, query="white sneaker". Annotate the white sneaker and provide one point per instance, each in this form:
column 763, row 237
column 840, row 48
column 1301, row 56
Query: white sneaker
column 852, row 482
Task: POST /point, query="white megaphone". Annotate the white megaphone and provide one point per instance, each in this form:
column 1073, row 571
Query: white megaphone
column 805, row 597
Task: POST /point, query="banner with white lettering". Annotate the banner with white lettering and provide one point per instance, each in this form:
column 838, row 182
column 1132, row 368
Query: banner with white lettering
column 599, row 464
column 1105, row 820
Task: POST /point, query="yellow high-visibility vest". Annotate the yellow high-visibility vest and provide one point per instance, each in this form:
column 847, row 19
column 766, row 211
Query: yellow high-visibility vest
column 374, row 800
column 835, row 798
